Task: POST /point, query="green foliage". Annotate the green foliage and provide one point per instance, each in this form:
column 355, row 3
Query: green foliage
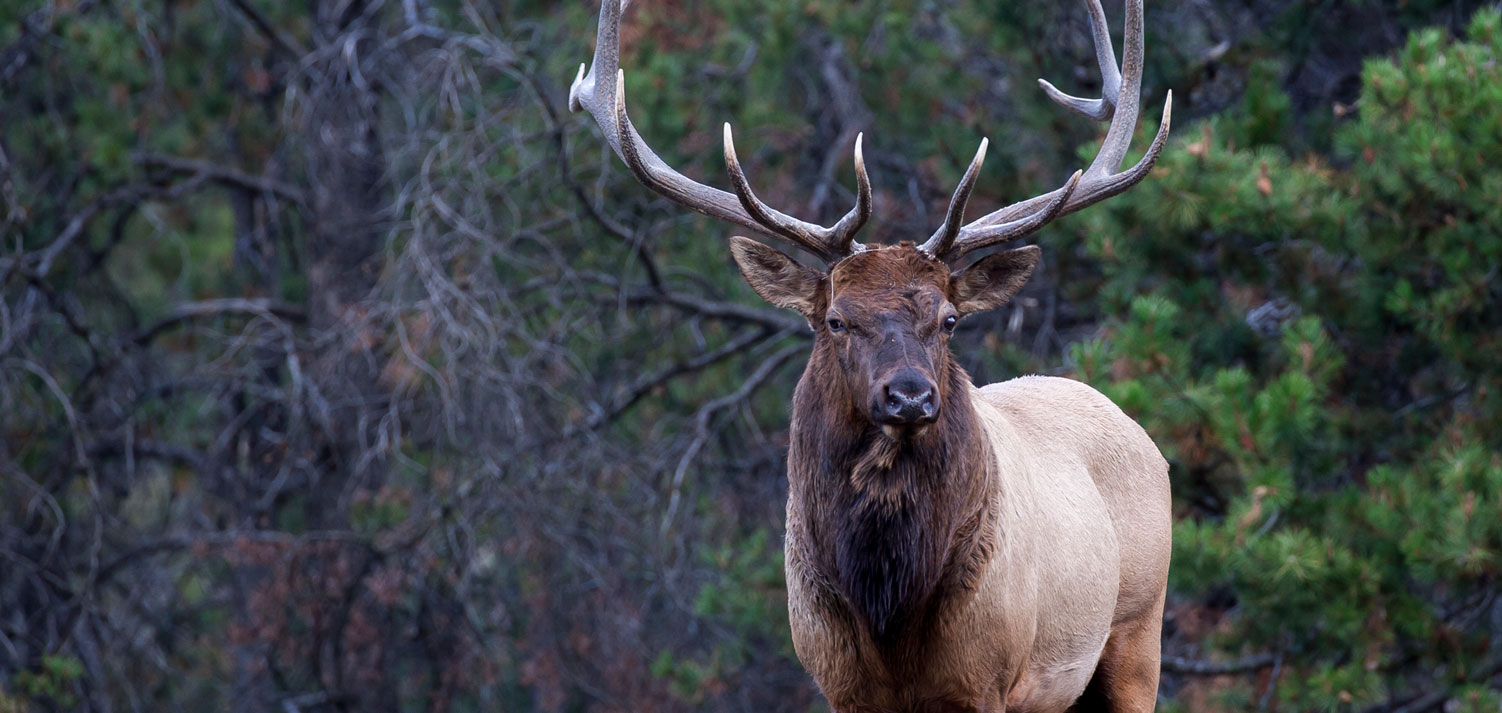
column 749, row 576
column 1315, row 347
column 747, row 596
column 52, row 682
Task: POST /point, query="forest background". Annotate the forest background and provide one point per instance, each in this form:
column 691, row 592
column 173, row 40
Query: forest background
column 341, row 369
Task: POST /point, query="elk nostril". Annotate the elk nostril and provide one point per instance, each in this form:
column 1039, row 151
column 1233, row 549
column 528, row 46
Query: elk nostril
column 907, row 398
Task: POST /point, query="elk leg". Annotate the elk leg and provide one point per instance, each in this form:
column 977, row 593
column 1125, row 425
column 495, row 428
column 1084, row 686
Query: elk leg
column 1126, row 679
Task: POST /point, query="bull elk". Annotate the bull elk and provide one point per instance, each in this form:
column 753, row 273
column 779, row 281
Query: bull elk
column 949, row 548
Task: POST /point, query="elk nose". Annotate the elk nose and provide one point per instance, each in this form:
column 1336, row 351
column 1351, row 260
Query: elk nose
column 908, row 398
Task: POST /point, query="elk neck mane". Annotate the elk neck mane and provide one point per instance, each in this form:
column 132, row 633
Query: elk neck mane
column 892, row 523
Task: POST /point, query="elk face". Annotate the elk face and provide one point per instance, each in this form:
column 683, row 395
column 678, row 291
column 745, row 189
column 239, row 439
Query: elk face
column 886, row 315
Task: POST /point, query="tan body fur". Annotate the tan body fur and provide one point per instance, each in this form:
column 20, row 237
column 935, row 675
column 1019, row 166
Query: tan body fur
column 1080, row 523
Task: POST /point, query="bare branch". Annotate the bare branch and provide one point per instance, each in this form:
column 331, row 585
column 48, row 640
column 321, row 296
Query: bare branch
column 1436, row 698
column 707, row 414
column 628, row 396
column 221, row 174
column 269, row 309
column 293, row 50
column 1191, row 667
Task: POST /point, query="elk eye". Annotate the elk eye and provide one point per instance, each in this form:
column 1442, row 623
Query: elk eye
column 836, row 325
column 950, row 322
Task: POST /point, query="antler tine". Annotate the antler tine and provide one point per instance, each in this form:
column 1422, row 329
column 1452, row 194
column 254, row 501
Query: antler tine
column 1119, row 101
column 601, row 91
column 853, row 221
column 827, row 243
column 943, row 238
column 1105, row 55
column 973, row 238
column 1091, row 191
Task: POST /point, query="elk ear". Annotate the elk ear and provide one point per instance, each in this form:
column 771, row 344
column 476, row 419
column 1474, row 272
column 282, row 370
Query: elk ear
column 779, row 279
column 992, row 280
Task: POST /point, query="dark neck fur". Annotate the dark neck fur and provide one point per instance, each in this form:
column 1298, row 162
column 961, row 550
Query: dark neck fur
column 881, row 516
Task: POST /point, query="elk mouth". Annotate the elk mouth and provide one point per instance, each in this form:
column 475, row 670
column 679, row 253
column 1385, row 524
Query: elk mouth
column 905, row 431
column 906, row 424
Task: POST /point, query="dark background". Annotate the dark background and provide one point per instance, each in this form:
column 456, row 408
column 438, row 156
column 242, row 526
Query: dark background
column 342, row 369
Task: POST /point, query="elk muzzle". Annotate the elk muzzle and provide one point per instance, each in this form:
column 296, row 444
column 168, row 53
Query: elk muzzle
column 908, row 398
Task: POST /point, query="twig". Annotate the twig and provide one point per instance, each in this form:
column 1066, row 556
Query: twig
column 632, row 239
column 221, row 174
column 287, row 45
column 75, row 227
column 639, row 388
column 1190, row 667
column 228, row 537
column 712, row 308
column 34, row 28
column 294, row 704
column 1437, row 697
column 214, row 308
column 160, row 450
column 1272, row 684
column 706, row 415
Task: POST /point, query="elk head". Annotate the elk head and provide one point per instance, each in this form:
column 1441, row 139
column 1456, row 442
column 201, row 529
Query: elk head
column 888, row 312
column 887, row 315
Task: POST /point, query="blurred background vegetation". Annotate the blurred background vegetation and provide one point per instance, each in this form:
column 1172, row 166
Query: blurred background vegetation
column 342, row 369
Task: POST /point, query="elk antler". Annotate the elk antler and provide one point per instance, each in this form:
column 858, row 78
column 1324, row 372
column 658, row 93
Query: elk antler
column 602, row 92
column 1118, row 102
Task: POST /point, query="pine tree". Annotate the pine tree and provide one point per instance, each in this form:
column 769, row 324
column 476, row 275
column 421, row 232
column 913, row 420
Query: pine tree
column 1314, row 343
